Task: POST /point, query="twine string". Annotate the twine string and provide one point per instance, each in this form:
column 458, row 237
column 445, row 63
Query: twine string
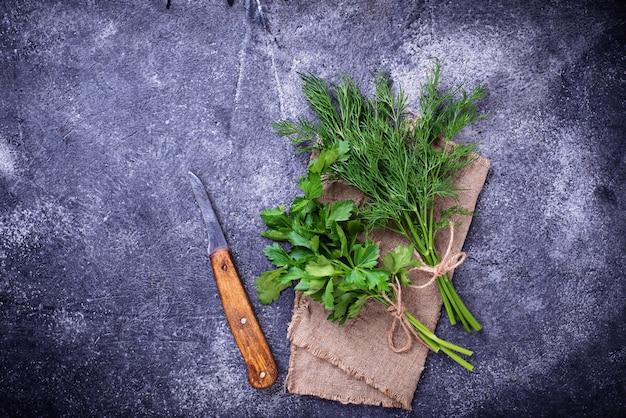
column 448, row 263
column 396, row 309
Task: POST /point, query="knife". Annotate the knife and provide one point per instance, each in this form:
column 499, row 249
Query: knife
column 262, row 370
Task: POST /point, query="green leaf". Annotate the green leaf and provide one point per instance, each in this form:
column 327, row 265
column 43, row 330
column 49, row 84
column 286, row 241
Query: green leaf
column 366, row 255
column 328, row 156
column 285, row 128
column 399, row 258
column 356, row 307
column 269, row 286
column 317, row 165
column 314, row 243
column 403, row 277
column 311, row 185
column 276, row 218
column 298, row 240
column 343, row 151
column 277, row 255
column 303, row 284
column 343, row 240
column 377, row 279
column 336, row 253
column 328, row 300
column 355, row 227
column 340, row 211
column 311, row 287
column 301, row 254
column 343, row 300
column 356, row 278
column 275, row 235
column 320, row 268
column 323, row 214
column 294, row 273
column 299, row 204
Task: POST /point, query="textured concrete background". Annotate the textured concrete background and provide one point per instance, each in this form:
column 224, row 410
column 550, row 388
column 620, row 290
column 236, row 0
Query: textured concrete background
column 107, row 303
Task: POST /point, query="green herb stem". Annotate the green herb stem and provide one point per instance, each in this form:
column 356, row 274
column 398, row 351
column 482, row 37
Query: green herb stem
column 457, row 358
column 413, row 235
column 433, row 341
column 461, row 310
column 446, row 303
column 450, row 295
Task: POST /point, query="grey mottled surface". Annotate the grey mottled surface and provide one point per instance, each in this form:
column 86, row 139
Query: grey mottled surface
column 107, row 303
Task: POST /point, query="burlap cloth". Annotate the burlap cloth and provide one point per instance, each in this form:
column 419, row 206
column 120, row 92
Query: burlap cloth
column 353, row 363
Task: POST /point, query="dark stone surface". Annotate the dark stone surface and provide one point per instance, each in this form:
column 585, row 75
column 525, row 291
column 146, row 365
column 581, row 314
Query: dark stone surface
column 107, row 303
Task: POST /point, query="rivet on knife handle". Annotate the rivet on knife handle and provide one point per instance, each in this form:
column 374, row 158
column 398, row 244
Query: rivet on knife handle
column 262, row 370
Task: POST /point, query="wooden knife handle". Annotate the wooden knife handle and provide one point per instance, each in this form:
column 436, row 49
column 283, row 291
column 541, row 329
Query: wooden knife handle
column 262, row 370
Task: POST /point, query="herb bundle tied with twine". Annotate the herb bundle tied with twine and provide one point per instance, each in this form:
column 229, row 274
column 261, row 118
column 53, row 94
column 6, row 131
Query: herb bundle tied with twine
column 403, row 163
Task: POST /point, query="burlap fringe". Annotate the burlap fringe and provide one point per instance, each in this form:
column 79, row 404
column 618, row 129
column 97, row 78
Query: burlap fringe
column 301, row 307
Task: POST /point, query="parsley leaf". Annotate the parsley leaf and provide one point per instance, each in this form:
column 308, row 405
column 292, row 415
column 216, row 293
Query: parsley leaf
column 277, row 255
column 268, row 286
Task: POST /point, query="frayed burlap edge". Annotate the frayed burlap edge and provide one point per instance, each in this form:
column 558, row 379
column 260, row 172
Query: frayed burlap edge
column 389, row 400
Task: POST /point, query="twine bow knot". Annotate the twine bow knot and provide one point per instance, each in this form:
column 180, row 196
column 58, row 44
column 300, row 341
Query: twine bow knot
column 396, row 309
column 448, row 263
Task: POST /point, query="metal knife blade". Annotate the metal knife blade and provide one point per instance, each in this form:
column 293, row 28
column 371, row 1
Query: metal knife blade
column 262, row 370
column 216, row 235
